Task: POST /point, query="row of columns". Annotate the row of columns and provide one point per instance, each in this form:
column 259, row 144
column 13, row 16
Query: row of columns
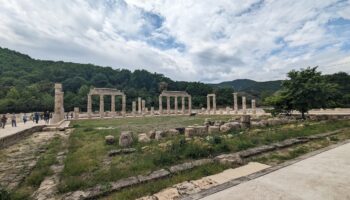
column 244, row 104
column 102, row 112
column 176, row 104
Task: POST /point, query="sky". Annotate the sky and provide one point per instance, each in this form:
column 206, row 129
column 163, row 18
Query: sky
column 186, row 40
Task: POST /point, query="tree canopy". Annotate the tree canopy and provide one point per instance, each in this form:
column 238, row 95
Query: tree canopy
column 304, row 90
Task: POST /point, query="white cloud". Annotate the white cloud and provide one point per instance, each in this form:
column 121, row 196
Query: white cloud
column 194, row 40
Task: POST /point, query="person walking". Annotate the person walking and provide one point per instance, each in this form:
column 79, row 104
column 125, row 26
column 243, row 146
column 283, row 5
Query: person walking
column 25, row 118
column 13, row 120
column 36, row 117
column 47, row 117
column 3, row 121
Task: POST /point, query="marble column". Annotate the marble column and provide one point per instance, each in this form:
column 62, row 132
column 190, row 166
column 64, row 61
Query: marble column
column 89, row 106
column 134, row 108
column 183, row 105
column 102, row 106
column 59, row 108
column 244, row 106
column 123, row 105
column 190, row 104
column 139, row 105
column 253, row 107
column 76, row 112
column 214, row 104
column 160, row 104
column 143, row 109
column 235, row 103
column 113, row 105
column 176, row 108
column 208, row 104
column 168, row 105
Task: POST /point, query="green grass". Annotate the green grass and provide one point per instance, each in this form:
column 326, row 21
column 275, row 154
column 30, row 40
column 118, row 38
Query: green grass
column 280, row 156
column 40, row 171
column 156, row 186
column 87, row 162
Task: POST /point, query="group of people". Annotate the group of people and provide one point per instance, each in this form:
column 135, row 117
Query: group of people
column 35, row 117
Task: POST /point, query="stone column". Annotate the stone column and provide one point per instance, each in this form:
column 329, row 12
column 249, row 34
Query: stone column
column 244, row 106
column 113, row 105
column 102, row 106
column 123, row 105
column 133, row 108
column 76, row 112
column 253, row 107
column 190, row 104
column 227, row 110
column 143, row 106
column 235, row 103
column 139, row 107
column 183, row 105
column 160, row 104
column 208, row 104
column 59, row 108
column 168, row 105
column 152, row 111
column 175, row 101
column 214, row 104
column 89, row 106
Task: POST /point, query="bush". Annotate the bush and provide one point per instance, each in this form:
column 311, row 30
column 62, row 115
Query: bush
column 4, row 195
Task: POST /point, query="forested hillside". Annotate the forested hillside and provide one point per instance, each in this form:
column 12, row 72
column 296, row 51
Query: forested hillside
column 28, row 85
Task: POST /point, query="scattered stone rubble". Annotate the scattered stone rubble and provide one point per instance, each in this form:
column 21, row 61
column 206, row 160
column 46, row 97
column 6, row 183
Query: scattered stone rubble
column 234, row 159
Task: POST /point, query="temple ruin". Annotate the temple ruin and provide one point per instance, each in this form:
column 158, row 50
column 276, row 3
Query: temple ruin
column 175, row 95
column 106, row 92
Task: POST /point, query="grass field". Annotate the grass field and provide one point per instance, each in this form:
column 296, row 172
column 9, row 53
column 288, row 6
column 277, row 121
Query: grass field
column 87, row 163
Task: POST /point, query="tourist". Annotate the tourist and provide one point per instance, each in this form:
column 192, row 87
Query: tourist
column 3, row 121
column 36, row 117
column 24, row 118
column 47, row 117
column 13, row 120
column 71, row 115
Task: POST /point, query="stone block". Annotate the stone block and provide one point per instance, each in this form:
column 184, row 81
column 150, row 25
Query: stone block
column 125, row 139
column 153, row 175
column 160, row 135
column 151, row 134
column 181, row 167
column 143, row 138
column 110, row 139
column 213, row 129
column 172, row 132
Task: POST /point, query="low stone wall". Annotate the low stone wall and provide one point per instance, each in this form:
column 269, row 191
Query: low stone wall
column 12, row 139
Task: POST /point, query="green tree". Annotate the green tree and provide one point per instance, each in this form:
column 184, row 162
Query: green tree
column 306, row 89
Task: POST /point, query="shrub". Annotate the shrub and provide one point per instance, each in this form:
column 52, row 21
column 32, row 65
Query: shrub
column 4, row 195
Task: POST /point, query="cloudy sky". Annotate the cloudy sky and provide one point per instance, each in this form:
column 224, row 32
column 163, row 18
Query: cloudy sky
column 192, row 40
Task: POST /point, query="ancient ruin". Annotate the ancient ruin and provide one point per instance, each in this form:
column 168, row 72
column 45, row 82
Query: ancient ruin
column 106, row 92
column 213, row 96
column 175, row 95
column 235, row 103
column 59, row 108
column 244, row 105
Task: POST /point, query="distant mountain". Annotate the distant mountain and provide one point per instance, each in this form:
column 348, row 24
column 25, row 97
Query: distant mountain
column 252, row 88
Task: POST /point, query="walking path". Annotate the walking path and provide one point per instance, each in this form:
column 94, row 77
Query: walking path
column 20, row 127
column 323, row 176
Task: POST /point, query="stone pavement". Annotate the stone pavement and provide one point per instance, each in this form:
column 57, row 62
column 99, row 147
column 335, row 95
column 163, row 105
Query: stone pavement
column 9, row 130
column 324, row 176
